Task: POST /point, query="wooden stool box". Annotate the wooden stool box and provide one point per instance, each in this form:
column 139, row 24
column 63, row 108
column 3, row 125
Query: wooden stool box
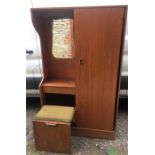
column 52, row 129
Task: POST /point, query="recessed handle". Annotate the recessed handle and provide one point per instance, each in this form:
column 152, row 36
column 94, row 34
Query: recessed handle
column 50, row 124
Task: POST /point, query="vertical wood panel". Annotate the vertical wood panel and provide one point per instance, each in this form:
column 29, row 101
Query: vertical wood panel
column 97, row 40
column 52, row 138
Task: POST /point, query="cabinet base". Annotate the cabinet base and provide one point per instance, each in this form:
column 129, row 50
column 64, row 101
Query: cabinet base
column 93, row 133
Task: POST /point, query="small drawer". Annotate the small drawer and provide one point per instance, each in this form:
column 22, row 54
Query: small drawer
column 52, row 136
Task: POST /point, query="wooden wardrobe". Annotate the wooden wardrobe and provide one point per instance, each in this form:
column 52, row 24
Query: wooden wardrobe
column 90, row 81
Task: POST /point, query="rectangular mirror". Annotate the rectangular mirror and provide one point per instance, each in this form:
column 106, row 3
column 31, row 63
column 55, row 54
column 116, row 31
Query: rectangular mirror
column 62, row 37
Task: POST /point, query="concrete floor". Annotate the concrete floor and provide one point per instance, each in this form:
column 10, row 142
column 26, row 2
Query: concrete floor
column 81, row 145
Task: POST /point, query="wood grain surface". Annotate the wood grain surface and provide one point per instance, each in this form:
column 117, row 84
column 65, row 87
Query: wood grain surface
column 98, row 34
column 93, row 75
column 53, row 137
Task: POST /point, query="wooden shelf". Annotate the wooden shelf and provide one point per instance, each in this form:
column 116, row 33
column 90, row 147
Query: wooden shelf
column 59, row 86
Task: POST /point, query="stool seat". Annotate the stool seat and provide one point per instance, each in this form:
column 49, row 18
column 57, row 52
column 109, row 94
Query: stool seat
column 56, row 113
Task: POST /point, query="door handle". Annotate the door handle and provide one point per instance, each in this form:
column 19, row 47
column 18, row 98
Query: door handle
column 81, row 61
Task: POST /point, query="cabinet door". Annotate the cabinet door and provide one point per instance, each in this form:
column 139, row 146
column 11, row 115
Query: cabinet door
column 97, row 34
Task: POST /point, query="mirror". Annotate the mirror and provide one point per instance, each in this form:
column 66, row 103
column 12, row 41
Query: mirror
column 62, row 37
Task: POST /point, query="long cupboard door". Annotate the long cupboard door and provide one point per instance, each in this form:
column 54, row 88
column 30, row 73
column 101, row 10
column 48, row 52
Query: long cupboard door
column 97, row 33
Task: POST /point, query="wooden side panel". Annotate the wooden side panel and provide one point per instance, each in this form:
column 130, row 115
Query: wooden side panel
column 120, row 64
column 39, row 24
column 52, row 137
column 98, row 34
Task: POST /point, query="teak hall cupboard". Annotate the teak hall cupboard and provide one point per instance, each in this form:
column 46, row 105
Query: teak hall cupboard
column 90, row 79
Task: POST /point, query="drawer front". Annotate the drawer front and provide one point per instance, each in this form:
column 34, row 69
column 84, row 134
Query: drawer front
column 53, row 137
column 58, row 90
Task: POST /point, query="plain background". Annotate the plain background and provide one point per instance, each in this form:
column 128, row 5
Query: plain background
column 141, row 37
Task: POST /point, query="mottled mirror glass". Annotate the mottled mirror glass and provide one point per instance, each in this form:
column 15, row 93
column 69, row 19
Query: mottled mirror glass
column 62, row 38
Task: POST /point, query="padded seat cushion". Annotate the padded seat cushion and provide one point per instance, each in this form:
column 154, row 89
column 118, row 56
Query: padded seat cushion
column 56, row 113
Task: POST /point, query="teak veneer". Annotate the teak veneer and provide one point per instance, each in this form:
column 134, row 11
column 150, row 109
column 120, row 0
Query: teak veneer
column 93, row 74
column 59, row 86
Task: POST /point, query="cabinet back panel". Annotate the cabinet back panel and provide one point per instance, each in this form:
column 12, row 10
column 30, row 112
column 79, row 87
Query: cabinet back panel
column 58, row 68
column 98, row 34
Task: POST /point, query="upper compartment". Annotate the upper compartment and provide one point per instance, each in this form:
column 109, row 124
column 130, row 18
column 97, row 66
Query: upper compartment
column 47, row 23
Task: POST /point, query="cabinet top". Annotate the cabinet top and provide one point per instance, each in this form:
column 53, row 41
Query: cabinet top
column 76, row 7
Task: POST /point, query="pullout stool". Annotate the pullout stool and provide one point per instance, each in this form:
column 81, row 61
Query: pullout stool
column 52, row 128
